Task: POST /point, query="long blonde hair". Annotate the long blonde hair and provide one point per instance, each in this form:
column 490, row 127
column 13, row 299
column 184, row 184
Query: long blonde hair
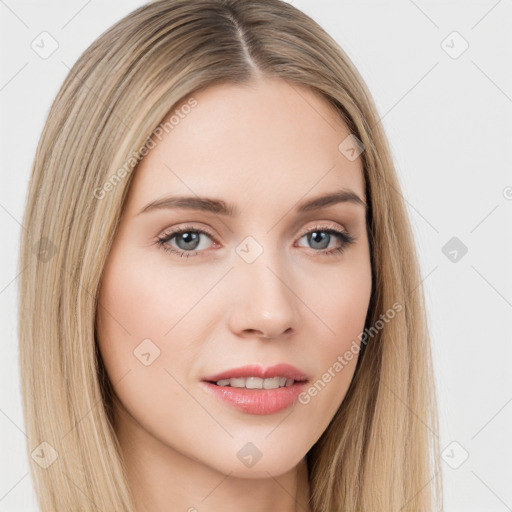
column 380, row 452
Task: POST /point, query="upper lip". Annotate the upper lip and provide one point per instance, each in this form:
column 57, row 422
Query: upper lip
column 255, row 370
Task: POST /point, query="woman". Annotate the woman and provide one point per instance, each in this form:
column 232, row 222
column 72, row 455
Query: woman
column 222, row 304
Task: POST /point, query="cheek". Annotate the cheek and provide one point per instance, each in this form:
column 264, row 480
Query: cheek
column 342, row 309
column 348, row 317
column 147, row 323
column 132, row 316
column 342, row 304
column 139, row 300
column 135, row 311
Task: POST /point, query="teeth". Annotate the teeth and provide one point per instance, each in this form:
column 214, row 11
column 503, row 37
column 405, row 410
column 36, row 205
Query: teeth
column 256, row 383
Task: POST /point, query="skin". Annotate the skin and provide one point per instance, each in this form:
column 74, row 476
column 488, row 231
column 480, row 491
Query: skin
column 264, row 146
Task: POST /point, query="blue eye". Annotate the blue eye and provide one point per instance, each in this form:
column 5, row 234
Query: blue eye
column 319, row 235
column 188, row 240
column 189, row 235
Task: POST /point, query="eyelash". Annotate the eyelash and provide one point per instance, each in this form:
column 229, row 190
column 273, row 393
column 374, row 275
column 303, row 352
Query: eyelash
column 346, row 238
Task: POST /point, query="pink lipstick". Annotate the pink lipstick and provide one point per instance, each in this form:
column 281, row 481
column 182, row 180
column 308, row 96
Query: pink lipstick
column 256, row 390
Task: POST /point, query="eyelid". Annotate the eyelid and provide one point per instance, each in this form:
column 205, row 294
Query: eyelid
column 185, row 228
column 323, row 225
column 195, row 228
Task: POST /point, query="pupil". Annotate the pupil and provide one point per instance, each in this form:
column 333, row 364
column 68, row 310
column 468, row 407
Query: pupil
column 322, row 235
column 189, row 244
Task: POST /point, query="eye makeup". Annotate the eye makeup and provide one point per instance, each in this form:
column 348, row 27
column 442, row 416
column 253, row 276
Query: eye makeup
column 163, row 242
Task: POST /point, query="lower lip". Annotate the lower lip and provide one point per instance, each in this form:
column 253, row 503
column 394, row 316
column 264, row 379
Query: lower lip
column 257, row 401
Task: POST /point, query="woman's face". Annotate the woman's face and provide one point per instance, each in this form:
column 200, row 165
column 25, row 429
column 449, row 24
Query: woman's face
column 256, row 278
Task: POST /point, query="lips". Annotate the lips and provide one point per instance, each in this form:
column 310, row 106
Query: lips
column 256, row 401
column 254, row 370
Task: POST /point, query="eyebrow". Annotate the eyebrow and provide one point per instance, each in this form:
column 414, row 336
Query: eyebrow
column 218, row 206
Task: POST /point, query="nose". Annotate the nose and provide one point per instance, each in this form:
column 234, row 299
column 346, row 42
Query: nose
column 263, row 302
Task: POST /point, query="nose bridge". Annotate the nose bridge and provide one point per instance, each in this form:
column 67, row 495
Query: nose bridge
column 263, row 300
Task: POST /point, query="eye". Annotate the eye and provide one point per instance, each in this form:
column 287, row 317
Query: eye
column 321, row 236
column 188, row 240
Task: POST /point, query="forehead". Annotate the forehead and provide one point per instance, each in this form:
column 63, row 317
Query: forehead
column 264, row 141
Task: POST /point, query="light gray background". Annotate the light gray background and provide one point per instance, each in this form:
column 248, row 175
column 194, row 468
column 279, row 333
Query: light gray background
column 449, row 124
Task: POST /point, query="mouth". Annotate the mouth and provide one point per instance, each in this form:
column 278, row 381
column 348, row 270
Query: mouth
column 256, row 390
column 254, row 376
column 256, row 382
